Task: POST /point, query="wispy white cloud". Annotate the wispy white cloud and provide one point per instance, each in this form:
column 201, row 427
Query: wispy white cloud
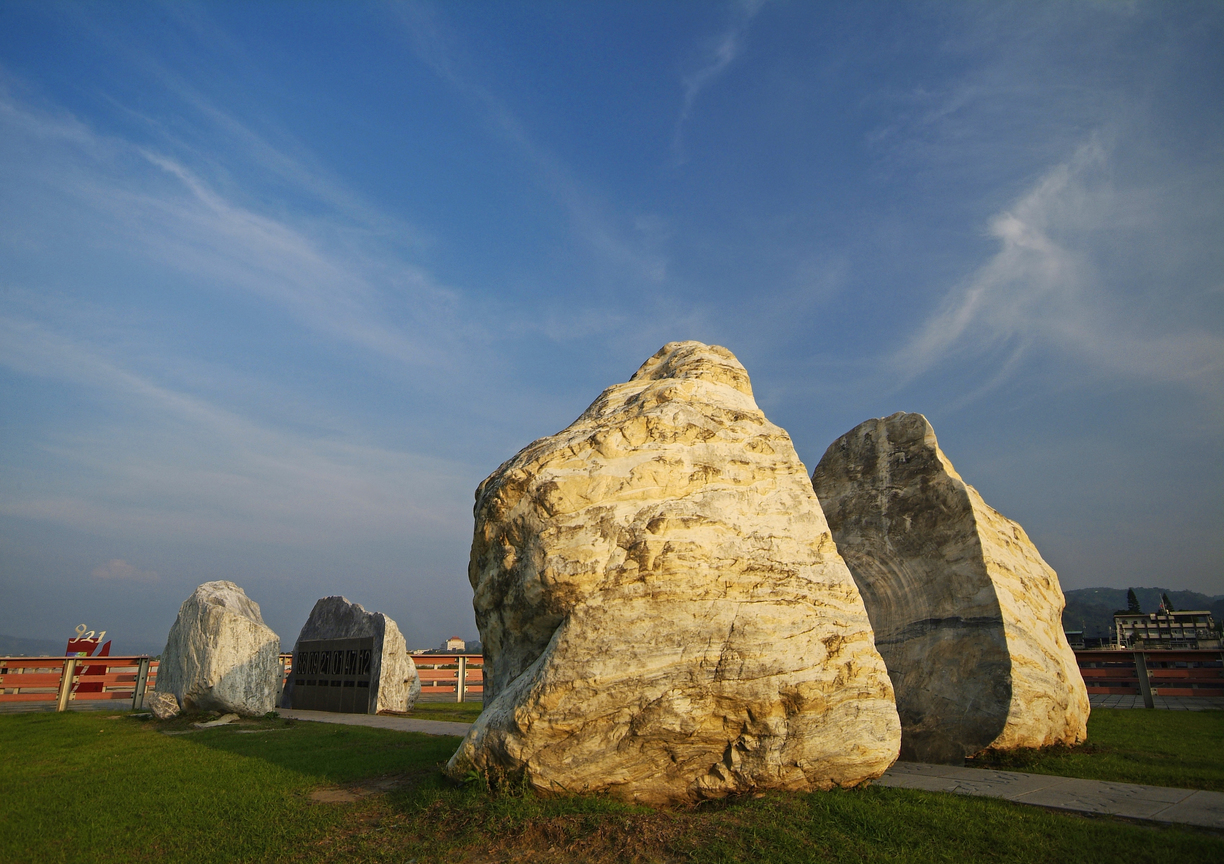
column 168, row 461
column 1043, row 292
column 118, row 570
column 288, row 160
column 721, row 53
column 182, row 464
column 337, row 277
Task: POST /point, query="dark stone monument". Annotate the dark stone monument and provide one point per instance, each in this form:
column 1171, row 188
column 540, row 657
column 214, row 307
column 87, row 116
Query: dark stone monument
column 350, row 661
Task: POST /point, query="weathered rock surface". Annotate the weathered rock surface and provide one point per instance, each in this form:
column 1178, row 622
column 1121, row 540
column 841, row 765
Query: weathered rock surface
column 220, row 656
column 965, row 611
column 163, row 706
column 663, row 611
column 394, row 683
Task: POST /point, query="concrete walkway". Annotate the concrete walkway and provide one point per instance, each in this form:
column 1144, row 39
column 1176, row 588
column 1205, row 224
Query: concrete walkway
column 380, row 721
column 1127, row 800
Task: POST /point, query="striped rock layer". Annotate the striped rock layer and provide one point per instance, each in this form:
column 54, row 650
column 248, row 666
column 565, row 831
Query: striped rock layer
column 966, row 613
column 663, row 611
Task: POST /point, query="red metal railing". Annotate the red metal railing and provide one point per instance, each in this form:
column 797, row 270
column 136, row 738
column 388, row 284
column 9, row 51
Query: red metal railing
column 62, row 680
column 43, row 679
column 1162, row 672
column 439, row 674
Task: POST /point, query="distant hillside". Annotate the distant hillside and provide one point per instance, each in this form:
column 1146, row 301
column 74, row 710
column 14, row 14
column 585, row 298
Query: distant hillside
column 18, row 646
column 1092, row 609
column 15, row 646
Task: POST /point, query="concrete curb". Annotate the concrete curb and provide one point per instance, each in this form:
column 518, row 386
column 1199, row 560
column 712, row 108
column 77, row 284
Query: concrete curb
column 379, row 721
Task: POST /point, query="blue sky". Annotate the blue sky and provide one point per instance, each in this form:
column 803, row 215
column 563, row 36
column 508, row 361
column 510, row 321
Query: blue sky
column 281, row 283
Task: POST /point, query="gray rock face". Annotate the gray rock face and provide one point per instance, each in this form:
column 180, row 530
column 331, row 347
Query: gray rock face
column 162, row 705
column 663, row 612
column 220, row 656
column 394, row 683
column 966, row 613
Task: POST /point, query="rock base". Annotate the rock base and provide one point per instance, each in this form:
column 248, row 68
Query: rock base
column 163, row 706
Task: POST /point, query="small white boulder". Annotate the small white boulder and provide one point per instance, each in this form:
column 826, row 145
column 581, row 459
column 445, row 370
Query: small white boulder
column 163, row 706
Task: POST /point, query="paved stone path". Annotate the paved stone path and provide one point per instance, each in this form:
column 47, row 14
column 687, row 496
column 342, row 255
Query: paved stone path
column 380, row 721
column 1167, row 703
column 1128, row 800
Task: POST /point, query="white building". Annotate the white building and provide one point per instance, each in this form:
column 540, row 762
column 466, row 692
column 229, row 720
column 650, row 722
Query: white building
column 1190, row 629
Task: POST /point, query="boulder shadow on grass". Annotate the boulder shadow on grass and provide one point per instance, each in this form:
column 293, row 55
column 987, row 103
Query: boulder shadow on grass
column 330, row 754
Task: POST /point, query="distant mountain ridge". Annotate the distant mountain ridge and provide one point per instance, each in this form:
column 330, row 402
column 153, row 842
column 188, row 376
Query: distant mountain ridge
column 19, row 646
column 1092, row 609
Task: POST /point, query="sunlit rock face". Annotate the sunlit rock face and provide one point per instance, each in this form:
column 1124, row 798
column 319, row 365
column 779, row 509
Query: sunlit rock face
column 394, row 683
column 966, row 614
column 664, row 614
column 220, row 656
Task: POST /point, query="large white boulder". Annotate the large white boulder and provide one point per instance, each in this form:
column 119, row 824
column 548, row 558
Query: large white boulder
column 966, row 613
column 663, row 612
column 394, row 683
column 220, row 656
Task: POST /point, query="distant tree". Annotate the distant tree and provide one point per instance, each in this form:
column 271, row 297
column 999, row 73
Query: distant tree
column 1165, row 599
column 1132, row 602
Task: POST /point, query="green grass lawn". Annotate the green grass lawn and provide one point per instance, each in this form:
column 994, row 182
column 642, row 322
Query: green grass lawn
column 1162, row 748
column 84, row 786
column 459, row 712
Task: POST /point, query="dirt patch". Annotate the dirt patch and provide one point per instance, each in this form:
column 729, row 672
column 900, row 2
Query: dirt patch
column 370, row 786
column 657, row 838
column 389, row 783
column 255, row 731
column 334, row 796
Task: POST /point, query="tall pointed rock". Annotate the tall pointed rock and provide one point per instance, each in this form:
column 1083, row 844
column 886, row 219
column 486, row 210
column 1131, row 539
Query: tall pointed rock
column 663, row 612
column 966, row 613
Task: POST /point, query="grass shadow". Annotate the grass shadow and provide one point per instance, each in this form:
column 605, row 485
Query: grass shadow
column 325, row 752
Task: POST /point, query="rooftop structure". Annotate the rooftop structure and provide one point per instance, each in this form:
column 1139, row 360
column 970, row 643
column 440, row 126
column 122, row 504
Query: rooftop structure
column 1166, row 629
